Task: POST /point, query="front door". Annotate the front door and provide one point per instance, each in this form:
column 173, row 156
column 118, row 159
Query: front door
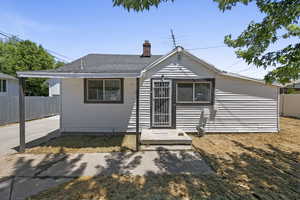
column 161, row 103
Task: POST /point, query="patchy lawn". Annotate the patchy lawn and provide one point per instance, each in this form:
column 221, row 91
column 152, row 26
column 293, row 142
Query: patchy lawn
column 85, row 144
column 248, row 166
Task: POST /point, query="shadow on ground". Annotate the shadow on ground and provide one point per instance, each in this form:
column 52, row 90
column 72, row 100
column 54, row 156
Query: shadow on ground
column 254, row 174
column 35, row 173
column 263, row 174
column 81, row 144
column 41, row 140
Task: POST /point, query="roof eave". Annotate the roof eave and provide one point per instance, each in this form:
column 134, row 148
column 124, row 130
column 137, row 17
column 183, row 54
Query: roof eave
column 37, row 74
column 249, row 79
column 180, row 50
column 5, row 76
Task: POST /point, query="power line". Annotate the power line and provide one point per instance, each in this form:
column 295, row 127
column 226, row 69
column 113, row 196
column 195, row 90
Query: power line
column 54, row 54
column 58, row 54
column 233, row 64
column 244, row 70
column 209, row 47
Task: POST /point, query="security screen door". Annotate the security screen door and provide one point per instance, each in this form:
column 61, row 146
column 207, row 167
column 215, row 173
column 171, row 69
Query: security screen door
column 161, row 103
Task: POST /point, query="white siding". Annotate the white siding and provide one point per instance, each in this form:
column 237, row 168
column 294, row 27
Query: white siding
column 80, row 117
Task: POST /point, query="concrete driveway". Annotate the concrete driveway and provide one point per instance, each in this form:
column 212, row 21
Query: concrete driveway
column 23, row 175
column 35, row 130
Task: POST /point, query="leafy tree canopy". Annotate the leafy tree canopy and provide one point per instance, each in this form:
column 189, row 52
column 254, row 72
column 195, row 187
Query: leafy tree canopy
column 26, row 56
column 281, row 22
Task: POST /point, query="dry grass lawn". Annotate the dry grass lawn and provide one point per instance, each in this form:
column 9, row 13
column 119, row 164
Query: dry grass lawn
column 85, row 144
column 248, row 166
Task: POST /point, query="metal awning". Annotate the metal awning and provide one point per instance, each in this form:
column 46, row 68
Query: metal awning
column 43, row 74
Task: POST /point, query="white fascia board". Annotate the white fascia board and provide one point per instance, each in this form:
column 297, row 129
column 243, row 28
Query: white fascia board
column 159, row 60
column 248, row 79
column 207, row 65
column 180, row 50
column 199, row 60
column 76, row 75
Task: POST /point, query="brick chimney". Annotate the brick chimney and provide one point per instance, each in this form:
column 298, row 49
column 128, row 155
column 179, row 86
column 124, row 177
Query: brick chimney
column 146, row 49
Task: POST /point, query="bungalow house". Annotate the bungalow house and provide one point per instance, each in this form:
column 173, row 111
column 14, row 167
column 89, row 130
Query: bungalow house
column 9, row 85
column 129, row 93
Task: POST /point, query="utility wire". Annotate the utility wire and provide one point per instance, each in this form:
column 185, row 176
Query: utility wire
column 210, row 47
column 244, row 70
column 234, row 64
column 55, row 54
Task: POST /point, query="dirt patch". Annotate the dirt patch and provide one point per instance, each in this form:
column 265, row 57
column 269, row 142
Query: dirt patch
column 150, row 187
column 267, row 165
column 248, row 166
column 85, row 144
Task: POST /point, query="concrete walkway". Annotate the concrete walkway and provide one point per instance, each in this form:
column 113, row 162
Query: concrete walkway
column 23, row 175
column 35, row 130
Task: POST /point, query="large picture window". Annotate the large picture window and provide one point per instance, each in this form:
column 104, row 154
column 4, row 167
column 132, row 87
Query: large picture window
column 2, row 85
column 104, row 90
column 194, row 92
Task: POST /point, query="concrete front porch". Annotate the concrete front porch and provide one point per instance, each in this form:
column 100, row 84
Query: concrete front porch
column 170, row 139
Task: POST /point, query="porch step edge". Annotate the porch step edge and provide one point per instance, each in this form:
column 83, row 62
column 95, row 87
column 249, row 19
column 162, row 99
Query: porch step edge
column 166, row 147
column 166, row 142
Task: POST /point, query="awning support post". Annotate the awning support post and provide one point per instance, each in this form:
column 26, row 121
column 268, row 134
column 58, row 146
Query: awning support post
column 22, row 114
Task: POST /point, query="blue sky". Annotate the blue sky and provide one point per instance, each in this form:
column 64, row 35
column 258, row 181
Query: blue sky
column 75, row 28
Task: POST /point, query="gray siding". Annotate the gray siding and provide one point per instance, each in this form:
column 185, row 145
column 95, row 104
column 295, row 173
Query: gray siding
column 12, row 87
column 240, row 105
column 233, row 111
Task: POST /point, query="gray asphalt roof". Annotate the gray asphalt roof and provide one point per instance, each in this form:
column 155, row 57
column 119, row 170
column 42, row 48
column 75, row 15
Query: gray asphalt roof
column 6, row 76
column 108, row 63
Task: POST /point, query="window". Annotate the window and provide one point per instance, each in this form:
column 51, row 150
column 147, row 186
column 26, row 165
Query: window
column 104, row 90
column 194, row 92
column 2, row 85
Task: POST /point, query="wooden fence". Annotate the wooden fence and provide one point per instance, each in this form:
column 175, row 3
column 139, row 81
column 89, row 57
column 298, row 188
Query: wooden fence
column 290, row 105
column 35, row 108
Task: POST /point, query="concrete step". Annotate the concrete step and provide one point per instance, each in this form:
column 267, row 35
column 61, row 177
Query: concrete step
column 166, row 142
column 165, row 137
column 166, row 147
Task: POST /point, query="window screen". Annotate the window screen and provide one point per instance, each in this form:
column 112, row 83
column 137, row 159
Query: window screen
column 194, row 92
column 104, row 90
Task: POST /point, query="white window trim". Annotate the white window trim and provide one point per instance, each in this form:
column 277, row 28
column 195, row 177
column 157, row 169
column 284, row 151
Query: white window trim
column 194, row 82
column 103, row 88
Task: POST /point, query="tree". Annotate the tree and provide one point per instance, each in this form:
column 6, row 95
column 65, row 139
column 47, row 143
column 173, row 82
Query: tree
column 26, row 56
column 59, row 64
column 281, row 22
